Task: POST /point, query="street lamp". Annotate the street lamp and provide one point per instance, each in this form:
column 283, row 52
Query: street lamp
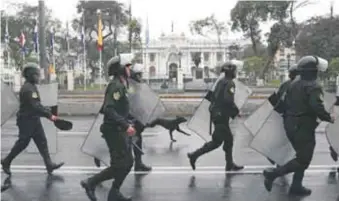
column 288, row 61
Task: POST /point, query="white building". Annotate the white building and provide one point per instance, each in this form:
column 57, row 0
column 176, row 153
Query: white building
column 171, row 56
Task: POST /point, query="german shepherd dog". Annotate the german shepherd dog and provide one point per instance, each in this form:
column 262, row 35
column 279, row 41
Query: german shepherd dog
column 170, row 125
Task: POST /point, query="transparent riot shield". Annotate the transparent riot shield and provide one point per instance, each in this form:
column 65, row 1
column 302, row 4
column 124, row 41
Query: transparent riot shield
column 200, row 121
column 332, row 131
column 9, row 103
column 266, row 125
column 94, row 145
column 145, row 106
column 49, row 98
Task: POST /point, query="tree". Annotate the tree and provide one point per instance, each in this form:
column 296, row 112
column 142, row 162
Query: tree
column 208, row 25
column 333, row 68
column 114, row 17
column 134, row 31
column 197, row 59
column 313, row 38
column 24, row 21
column 253, row 66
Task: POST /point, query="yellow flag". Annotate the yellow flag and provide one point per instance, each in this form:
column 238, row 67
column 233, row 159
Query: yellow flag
column 51, row 69
column 100, row 39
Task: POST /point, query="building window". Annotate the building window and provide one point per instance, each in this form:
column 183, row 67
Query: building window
column 152, row 57
column 152, row 71
column 219, row 56
column 206, row 56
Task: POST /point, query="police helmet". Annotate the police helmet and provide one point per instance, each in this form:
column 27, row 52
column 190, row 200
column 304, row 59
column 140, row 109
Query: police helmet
column 29, row 69
column 136, row 72
column 229, row 68
column 312, row 63
column 114, row 66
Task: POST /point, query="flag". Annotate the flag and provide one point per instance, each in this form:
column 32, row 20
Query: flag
column 147, row 33
column 100, row 39
column 51, row 39
column 22, row 41
column 35, row 37
column 6, row 33
column 67, row 36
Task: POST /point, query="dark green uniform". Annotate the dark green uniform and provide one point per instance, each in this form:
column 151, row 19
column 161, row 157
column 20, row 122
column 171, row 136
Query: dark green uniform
column 222, row 108
column 29, row 123
column 116, row 114
column 303, row 106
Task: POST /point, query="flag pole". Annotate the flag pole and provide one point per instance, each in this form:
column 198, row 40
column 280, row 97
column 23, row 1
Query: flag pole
column 84, row 49
column 100, row 46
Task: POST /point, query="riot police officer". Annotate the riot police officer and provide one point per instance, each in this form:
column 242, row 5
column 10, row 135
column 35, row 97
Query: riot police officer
column 28, row 121
column 222, row 108
column 303, row 105
column 292, row 74
column 136, row 74
column 115, row 128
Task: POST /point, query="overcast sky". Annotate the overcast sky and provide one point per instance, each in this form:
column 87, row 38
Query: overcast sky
column 161, row 13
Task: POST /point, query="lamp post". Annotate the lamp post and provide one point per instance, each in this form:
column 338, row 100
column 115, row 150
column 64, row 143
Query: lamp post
column 288, row 61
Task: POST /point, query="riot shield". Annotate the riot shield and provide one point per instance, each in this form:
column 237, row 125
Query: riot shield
column 49, row 98
column 145, row 104
column 266, row 125
column 94, row 145
column 9, row 103
column 200, row 121
column 332, row 131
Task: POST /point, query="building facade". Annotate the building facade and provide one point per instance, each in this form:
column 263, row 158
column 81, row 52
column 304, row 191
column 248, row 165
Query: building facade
column 164, row 57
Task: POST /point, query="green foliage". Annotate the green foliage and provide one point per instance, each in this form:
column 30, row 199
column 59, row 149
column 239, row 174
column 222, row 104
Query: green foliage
column 253, row 65
column 24, row 20
column 333, row 68
column 319, row 37
column 208, row 25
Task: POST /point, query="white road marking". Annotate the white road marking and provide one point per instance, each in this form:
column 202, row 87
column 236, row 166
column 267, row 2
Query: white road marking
column 248, row 167
column 64, row 171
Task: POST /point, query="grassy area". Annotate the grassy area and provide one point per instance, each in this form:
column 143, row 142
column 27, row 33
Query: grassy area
column 273, row 83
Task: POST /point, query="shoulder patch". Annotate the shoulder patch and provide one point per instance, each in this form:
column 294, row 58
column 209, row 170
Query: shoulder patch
column 232, row 89
column 116, row 95
column 34, row 95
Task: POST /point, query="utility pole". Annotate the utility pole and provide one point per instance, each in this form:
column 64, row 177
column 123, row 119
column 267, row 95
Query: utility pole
column 42, row 40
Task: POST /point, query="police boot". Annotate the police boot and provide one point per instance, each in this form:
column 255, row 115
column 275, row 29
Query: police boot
column 334, row 155
column 297, row 188
column 50, row 166
column 6, row 166
column 139, row 165
column 90, row 184
column 273, row 173
column 89, row 188
column 115, row 195
column 207, row 147
column 230, row 165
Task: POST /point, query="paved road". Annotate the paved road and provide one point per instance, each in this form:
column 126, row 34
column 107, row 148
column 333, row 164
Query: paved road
column 172, row 178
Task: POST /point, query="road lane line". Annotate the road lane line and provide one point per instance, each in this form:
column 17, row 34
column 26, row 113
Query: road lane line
column 89, row 168
column 319, row 171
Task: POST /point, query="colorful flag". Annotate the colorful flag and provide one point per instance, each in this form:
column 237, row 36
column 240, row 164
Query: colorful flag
column 100, row 39
column 22, row 41
column 35, row 37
